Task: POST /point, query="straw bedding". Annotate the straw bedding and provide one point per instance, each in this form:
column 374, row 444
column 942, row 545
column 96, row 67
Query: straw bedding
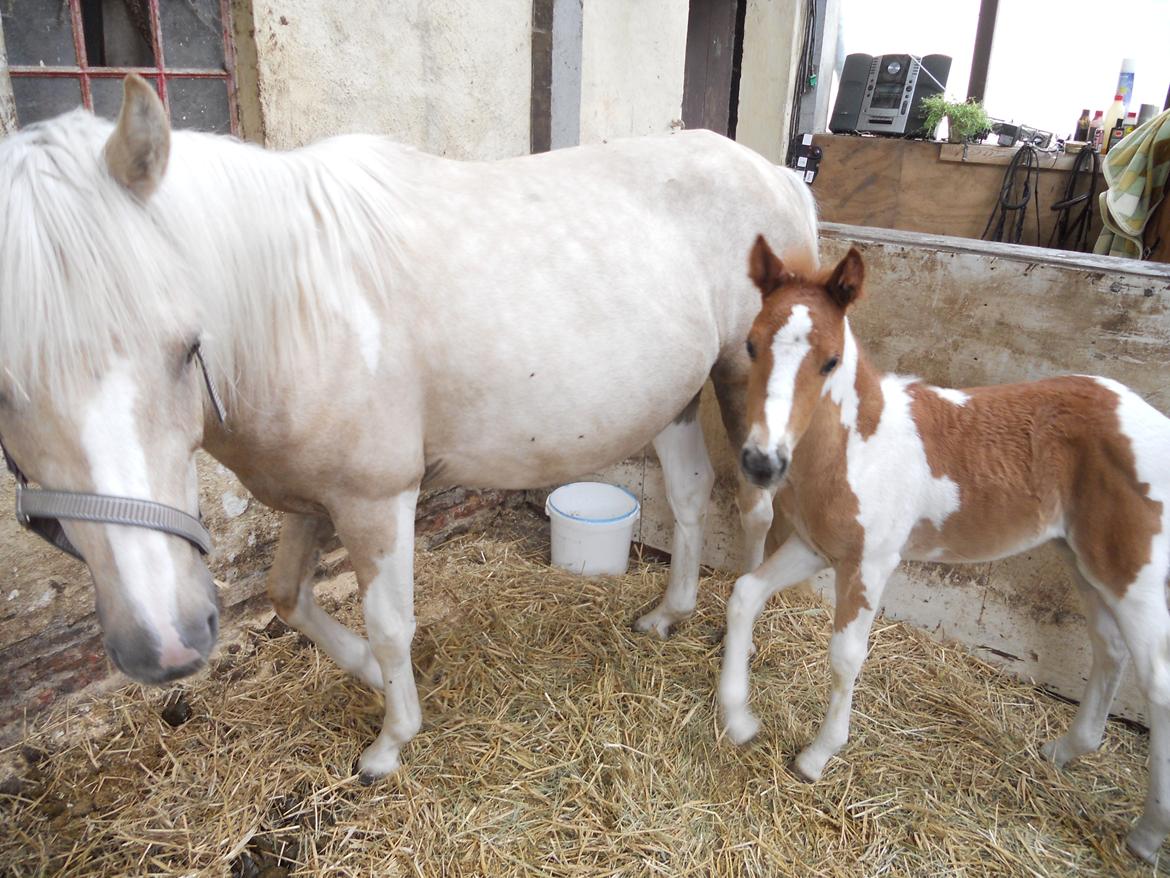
column 558, row 742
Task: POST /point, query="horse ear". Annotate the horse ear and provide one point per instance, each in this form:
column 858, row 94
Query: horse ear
column 137, row 151
column 844, row 285
column 765, row 268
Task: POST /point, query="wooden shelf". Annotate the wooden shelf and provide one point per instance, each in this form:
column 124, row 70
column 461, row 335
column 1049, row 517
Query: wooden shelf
column 980, row 154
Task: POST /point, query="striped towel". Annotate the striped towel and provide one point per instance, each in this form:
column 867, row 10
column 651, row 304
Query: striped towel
column 1135, row 171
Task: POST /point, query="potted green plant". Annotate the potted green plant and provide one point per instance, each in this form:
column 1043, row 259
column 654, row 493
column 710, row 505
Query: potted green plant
column 968, row 121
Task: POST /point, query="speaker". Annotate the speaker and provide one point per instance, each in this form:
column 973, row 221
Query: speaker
column 884, row 95
column 930, row 80
column 850, row 94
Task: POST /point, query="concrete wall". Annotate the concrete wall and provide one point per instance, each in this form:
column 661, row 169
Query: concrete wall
column 632, row 54
column 772, row 37
column 965, row 313
column 449, row 77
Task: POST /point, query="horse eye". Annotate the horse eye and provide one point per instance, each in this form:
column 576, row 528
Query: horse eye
column 830, row 365
column 192, row 351
column 751, row 349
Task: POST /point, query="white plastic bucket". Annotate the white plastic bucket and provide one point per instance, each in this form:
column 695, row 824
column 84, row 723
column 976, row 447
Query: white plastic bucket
column 592, row 526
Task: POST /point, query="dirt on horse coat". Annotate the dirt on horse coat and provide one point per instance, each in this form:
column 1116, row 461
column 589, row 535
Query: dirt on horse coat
column 875, row 468
column 376, row 317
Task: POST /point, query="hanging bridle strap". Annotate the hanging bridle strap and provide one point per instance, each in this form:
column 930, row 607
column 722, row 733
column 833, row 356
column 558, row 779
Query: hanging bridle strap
column 41, row 511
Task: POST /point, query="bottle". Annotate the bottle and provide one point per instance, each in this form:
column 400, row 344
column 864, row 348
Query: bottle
column 1130, row 122
column 1116, row 135
column 1125, row 81
column 1082, row 129
column 1115, row 112
column 1095, row 131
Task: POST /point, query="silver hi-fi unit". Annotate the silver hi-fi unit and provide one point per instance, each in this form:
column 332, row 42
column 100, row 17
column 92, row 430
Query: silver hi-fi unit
column 884, row 95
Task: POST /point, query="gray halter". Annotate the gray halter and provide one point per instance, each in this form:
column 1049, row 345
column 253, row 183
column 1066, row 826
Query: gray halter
column 41, row 511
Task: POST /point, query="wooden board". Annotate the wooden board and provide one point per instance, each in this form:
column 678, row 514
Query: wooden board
column 903, row 184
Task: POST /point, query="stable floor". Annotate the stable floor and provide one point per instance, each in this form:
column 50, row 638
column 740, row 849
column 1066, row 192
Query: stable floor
column 558, row 742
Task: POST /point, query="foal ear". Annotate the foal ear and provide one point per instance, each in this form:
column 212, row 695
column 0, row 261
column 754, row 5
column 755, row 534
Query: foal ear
column 844, row 284
column 765, row 268
column 137, row 151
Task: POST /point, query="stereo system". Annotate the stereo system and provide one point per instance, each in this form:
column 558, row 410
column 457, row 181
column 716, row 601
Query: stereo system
column 884, row 94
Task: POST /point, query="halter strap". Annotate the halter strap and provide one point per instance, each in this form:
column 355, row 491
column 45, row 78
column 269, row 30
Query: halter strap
column 41, row 511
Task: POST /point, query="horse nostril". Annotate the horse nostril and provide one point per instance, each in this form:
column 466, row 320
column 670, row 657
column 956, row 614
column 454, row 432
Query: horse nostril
column 757, row 464
column 213, row 625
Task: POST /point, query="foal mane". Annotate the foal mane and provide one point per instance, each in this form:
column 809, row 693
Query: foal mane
column 265, row 252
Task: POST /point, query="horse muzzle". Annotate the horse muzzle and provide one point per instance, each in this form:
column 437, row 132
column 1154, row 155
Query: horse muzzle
column 764, row 469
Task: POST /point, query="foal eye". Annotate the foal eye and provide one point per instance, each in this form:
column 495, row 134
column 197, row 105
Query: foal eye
column 751, row 349
column 830, row 365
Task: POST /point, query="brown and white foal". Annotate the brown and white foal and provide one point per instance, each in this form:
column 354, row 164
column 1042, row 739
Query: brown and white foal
column 875, row 468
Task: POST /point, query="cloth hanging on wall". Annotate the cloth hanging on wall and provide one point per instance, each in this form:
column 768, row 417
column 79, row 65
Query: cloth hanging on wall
column 1136, row 170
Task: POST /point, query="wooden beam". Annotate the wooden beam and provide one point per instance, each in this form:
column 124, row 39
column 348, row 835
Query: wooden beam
column 981, row 58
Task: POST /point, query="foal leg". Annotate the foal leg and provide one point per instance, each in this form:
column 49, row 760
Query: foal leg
column 859, row 594
column 290, row 588
column 1110, row 656
column 689, row 478
column 380, row 538
column 792, row 563
column 1144, row 621
column 755, row 504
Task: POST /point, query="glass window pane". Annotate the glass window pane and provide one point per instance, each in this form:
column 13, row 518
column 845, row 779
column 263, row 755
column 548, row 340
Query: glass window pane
column 43, row 97
column 38, row 32
column 107, row 94
column 201, row 104
column 1046, row 82
column 914, row 27
column 124, row 35
column 192, row 34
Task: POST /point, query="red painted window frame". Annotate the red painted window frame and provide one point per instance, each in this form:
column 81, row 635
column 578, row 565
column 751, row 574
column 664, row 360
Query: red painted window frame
column 159, row 74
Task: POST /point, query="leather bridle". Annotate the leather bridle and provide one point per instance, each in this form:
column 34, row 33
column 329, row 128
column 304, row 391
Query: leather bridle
column 41, row 510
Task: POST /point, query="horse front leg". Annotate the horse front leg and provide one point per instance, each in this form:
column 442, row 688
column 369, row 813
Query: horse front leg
column 689, row 477
column 290, row 588
column 859, row 591
column 792, row 563
column 380, row 539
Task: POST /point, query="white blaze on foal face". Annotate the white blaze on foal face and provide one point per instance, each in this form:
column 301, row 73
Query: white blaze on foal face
column 796, row 344
column 790, row 346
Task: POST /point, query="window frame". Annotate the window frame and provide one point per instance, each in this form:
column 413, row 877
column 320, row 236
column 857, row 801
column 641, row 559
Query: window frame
column 158, row 74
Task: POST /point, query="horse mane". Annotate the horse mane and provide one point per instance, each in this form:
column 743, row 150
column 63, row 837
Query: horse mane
column 78, row 264
column 264, row 251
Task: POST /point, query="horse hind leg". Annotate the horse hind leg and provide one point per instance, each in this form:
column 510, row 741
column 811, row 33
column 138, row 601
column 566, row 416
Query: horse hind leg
column 290, row 588
column 1144, row 621
column 689, row 478
column 755, row 504
column 1110, row 656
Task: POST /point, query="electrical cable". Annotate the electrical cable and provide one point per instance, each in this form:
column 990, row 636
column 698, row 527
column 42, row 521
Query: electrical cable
column 806, row 70
column 1006, row 222
column 1076, row 232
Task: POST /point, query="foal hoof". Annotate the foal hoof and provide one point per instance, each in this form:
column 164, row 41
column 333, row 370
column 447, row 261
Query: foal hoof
column 1144, row 843
column 795, row 771
column 804, row 768
column 741, row 727
column 654, row 622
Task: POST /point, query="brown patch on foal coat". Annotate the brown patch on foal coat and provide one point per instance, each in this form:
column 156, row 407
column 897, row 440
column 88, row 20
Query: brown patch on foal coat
column 832, row 527
column 1026, row 455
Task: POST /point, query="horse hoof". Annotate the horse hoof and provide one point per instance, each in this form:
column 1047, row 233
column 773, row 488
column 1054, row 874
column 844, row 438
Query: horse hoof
column 367, row 780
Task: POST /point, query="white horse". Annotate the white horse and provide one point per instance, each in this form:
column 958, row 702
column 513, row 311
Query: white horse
column 381, row 321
